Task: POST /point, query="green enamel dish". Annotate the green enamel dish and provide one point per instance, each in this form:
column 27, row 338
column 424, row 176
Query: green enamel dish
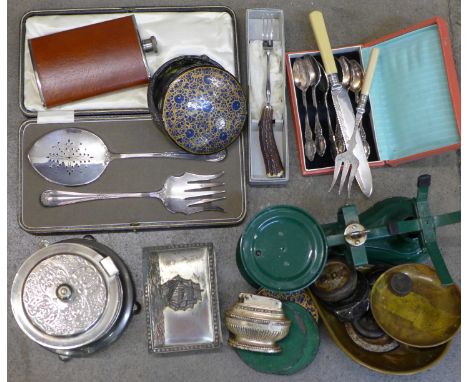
column 283, row 249
column 298, row 348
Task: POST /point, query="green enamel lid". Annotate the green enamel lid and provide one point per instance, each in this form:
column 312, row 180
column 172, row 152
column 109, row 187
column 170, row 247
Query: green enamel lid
column 283, row 249
column 298, row 348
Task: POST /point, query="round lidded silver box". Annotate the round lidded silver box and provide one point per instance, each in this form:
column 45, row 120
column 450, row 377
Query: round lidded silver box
column 72, row 299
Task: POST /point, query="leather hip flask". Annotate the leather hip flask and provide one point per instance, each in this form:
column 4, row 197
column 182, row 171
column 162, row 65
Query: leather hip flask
column 90, row 60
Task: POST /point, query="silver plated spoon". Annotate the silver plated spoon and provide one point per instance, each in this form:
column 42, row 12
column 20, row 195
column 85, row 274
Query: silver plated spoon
column 356, row 78
column 357, row 74
column 302, row 81
column 74, row 157
column 345, row 70
column 314, row 73
column 324, row 87
column 345, row 80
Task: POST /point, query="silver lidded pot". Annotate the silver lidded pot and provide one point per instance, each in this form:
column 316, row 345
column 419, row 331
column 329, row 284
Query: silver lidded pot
column 73, row 297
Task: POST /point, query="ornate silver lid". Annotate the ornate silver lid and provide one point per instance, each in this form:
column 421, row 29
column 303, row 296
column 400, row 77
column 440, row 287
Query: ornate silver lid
column 66, row 296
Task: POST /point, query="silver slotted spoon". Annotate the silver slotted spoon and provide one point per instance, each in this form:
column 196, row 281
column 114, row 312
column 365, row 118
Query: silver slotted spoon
column 188, row 193
column 74, row 157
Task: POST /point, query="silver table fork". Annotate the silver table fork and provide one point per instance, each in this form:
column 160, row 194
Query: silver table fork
column 188, row 194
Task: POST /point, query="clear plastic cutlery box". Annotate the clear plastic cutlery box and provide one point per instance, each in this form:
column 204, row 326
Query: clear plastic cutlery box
column 256, row 78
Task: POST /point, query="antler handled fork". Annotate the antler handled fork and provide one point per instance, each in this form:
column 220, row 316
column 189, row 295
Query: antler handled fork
column 272, row 159
column 347, row 160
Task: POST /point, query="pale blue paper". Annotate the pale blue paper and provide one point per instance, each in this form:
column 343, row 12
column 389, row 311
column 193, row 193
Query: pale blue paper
column 411, row 105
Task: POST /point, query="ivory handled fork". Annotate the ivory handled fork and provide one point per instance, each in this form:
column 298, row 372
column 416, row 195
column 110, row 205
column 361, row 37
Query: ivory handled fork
column 347, row 160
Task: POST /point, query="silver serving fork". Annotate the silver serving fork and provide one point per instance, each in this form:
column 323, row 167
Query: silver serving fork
column 188, row 193
column 348, row 160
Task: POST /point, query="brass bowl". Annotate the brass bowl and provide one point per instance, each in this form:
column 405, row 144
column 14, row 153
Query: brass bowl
column 256, row 323
column 424, row 314
column 404, row 360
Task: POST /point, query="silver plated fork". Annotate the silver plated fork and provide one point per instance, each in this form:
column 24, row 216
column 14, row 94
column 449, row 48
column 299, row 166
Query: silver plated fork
column 188, row 194
column 343, row 163
column 347, row 160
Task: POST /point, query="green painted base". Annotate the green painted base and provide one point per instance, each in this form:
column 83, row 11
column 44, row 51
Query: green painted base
column 397, row 249
column 240, row 266
column 298, row 348
column 282, row 249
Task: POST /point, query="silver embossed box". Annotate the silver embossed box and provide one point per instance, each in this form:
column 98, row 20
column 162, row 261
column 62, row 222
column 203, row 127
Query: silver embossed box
column 181, row 298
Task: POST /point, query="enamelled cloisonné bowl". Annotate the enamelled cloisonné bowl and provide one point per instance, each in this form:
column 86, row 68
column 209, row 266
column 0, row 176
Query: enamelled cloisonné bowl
column 200, row 106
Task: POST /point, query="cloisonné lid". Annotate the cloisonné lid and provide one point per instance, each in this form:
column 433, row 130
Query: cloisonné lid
column 283, row 249
column 302, row 297
column 298, row 348
column 204, row 109
column 66, row 295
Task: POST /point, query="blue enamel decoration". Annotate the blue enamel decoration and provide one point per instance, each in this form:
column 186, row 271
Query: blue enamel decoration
column 204, row 109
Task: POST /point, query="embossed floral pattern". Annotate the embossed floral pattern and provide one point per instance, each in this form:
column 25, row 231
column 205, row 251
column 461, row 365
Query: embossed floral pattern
column 204, row 110
column 53, row 316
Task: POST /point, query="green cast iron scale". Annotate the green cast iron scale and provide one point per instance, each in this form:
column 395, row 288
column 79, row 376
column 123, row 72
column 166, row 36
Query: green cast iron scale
column 284, row 249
